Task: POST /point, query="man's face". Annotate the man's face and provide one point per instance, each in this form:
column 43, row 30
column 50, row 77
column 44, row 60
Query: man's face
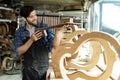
column 32, row 18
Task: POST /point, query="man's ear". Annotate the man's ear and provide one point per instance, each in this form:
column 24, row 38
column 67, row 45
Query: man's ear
column 23, row 19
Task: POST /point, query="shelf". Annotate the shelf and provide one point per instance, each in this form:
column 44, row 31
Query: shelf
column 4, row 8
column 7, row 9
column 5, row 20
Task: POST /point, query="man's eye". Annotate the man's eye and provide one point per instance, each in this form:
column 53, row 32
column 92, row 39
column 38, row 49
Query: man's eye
column 32, row 16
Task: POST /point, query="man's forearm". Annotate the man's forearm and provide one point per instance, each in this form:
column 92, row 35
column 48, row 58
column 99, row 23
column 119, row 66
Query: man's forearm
column 22, row 49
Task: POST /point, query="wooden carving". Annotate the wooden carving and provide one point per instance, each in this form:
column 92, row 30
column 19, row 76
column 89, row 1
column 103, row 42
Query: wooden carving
column 104, row 53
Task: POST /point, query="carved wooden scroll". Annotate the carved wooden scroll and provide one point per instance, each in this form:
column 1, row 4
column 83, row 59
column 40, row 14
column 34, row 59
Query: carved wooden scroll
column 105, row 51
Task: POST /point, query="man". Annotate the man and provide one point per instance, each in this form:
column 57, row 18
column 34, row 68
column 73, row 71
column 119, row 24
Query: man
column 34, row 46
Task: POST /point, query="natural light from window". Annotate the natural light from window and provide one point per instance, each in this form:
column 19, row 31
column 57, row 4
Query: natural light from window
column 111, row 16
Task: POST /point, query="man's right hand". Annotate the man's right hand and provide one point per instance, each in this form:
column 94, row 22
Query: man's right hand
column 37, row 35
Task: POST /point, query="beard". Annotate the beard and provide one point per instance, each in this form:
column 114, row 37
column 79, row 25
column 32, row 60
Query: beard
column 33, row 23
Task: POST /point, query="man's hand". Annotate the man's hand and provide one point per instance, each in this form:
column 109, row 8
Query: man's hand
column 37, row 35
column 61, row 28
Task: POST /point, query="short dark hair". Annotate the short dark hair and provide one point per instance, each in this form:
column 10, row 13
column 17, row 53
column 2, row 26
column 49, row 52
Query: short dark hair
column 26, row 10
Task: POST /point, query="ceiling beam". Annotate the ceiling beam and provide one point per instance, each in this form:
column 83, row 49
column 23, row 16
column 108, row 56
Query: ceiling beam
column 53, row 2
